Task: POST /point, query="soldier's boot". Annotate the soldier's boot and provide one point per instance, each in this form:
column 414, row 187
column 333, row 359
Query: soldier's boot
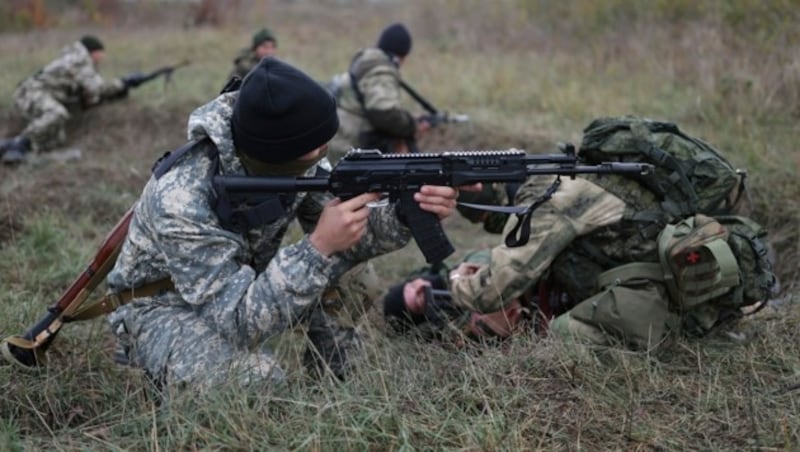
column 17, row 151
column 4, row 144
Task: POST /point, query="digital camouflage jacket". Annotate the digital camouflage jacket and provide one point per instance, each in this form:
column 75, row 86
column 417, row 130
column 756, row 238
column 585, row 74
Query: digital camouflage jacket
column 232, row 291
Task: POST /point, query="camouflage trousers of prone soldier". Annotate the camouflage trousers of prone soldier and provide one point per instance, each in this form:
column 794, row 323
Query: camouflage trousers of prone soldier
column 46, row 118
column 635, row 313
column 176, row 347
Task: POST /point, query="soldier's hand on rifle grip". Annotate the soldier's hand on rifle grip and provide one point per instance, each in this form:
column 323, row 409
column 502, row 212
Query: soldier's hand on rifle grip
column 423, row 125
column 342, row 224
column 438, row 200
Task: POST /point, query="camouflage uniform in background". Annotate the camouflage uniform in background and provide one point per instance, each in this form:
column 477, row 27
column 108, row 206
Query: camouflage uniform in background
column 249, row 57
column 43, row 98
column 233, row 291
column 379, row 120
column 246, row 60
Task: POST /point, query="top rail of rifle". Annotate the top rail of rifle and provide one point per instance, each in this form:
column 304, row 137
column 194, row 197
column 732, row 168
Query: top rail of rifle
column 420, row 155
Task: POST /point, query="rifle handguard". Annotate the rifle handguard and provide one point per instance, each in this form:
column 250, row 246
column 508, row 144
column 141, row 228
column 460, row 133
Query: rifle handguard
column 133, row 80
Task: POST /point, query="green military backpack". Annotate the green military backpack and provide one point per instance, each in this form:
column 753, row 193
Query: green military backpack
column 690, row 178
column 690, row 175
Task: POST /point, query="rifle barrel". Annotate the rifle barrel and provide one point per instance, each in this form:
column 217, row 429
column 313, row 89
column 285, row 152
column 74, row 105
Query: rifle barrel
column 601, row 168
column 243, row 184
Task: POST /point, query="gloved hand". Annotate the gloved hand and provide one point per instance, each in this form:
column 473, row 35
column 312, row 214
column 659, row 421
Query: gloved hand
column 133, row 79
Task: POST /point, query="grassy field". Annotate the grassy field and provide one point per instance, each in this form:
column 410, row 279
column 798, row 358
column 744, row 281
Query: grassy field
column 529, row 74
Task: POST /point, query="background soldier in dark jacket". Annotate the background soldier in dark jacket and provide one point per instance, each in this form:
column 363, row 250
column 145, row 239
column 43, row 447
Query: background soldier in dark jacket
column 264, row 44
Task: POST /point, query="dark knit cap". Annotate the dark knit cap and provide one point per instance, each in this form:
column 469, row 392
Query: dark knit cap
column 92, row 43
column 395, row 39
column 281, row 114
column 265, row 34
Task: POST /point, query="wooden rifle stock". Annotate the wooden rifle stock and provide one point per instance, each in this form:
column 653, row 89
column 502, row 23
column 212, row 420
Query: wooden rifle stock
column 28, row 350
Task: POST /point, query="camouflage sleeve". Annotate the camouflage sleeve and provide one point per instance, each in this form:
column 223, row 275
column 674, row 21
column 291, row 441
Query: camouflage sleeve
column 310, row 209
column 577, row 208
column 93, row 87
column 246, row 60
column 385, row 232
column 382, row 106
column 205, row 264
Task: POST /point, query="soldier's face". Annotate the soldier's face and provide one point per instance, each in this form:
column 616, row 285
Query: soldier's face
column 267, row 48
column 97, row 56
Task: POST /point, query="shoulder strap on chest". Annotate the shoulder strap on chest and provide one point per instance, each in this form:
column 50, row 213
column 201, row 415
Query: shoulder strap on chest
column 165, row 163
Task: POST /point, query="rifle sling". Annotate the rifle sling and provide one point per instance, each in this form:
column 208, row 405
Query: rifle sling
column 110, row 302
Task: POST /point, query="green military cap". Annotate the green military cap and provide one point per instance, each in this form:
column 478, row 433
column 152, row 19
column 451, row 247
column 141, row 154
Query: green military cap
column 262, row 36
column 92, row 43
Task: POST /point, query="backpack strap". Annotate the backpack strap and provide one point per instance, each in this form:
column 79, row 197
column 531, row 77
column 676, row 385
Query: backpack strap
column 677, row 178
column 635, row 270
column 354, row 78
column 233, row 216
column 165, row 163
column 355, row 75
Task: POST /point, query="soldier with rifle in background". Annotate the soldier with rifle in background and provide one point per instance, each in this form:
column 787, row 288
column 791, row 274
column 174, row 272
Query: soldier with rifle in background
column 264, row 44
column 368, row 97
column 69, row 80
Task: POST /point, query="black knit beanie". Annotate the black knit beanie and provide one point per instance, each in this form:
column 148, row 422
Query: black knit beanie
column 281, row 113
column 92, row 43
column 395, row 39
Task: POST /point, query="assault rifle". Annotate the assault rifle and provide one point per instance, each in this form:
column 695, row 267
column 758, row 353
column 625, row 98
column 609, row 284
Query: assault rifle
column 135, row 79
column 402, row 175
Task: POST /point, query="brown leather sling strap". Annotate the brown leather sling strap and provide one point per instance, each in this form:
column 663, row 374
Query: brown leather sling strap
column 110, row 302
column 103, row 306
